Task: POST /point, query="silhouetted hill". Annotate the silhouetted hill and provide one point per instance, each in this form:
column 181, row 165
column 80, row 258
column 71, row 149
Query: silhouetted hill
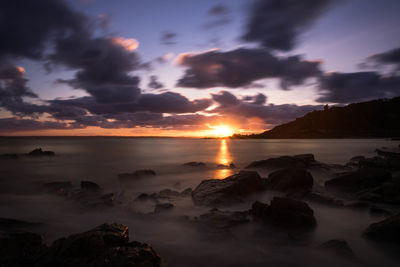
column 377, row 118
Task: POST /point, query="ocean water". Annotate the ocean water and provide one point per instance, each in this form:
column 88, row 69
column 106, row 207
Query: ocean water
column 180, row 244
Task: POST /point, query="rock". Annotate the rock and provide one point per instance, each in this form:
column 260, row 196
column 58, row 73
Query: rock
column 20, row 248
column 303, row 160
column 38, row 152
column 223, row 166
column 127, row 177
column 105, row 245
column 162, row 207
column 90, row 186
column 355, row 161
column 387, row 230
column 375, row 210
column 7, row 224
column 294, row 179
column 215, row 192
column 142, row 197
column 338, row 248
column 61, row 188
column 359, row 180
column 285, row 213
column 390, row 190
column 194, row 164
column 165, row 194
column 216, row 218
column 187, row 192
column 375, row 162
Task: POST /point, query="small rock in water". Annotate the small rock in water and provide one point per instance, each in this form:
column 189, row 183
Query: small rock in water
column 387, row 230
column 90, row 186
column 162, row 207
column 194, row 164
column 39, row 152
column 127, row 177
column 295, row 179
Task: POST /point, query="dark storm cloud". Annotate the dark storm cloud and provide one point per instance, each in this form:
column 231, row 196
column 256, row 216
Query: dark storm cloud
column 391, row 57
column 26, row 26
column 218, row 15
column 154, row 83
column 20, row 125
column 276, row 24
column 357, row 86
column 270, row 114
column 168, row 102
column 241, row 67
column 168, row 38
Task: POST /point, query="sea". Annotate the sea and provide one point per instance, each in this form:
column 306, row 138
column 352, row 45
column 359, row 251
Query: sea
column 174, row 234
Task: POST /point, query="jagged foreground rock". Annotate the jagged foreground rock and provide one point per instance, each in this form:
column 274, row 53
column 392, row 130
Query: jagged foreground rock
column 215, row 192
column 105, row 245
column 387, row 230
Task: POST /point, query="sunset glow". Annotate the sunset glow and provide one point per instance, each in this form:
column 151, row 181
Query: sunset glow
column 222, row 131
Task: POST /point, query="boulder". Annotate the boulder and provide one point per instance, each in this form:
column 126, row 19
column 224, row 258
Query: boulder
column 105, row 245
column 338, row 248
column 233, row 189
column 387, row 230
column 285, row 213
column 162, row 207
column 223, row 166
column 355, row 161
column 194, row 164
column 20, row 248
column 323, row 198
column 38, row 152
column 358, row 181
column 90, row 186
column 294, row 179
column 303, row 160
column 8, row 224
column 375, row 162
column 127, row 177
column 390, row 190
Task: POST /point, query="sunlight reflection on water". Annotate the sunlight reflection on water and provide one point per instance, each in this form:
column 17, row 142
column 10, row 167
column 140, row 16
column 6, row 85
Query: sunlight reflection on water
column 224, row 158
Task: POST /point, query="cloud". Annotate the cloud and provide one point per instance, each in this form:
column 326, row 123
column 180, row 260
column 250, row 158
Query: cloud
column 25, row 26
column 20, row 125
column 218, row 10
column 241, row 67
column 391, row 58
column 219, row 16
column 168, row 38
column 357, row 86
column 271, row 114
column 276, row 24
column 154, row 83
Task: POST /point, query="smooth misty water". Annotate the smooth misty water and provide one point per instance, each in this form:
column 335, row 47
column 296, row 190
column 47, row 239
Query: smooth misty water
column 101, row 159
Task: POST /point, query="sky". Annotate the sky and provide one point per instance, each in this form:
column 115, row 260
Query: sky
column 189, row 67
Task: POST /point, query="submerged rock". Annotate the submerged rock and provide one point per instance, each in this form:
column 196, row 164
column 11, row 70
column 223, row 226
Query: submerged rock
column 127, row 177
column 194, row 164
column 303, row 160
column 165, row 194
column 38, row 152
column 8, row 156
column 285, row 213
column 162, row 207
column 223, row 166
column 387, row 230
column 61, row 188
column 359, row 180
column 323, row 198
column 214, row 192
column 223, row 219
column 90, row 186
column 338, row 248
column 295, row 179
column 8, row 224
column 105, row 245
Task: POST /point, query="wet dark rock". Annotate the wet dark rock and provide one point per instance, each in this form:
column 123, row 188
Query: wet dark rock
column 194, row 164
column 355, row 161
column 142, row 197
column 390, row 190
column 38, row 152
column 285, row 213
column 295, row 179
column 8, row 224
column 375, row 162
column 61, row 188
column 359, row 180
column 223, row 166
column 105, row 245
column 338, row 248
column 165, row 194
column 162, row 207
column 90, row 186
column 360, row 205
column 20, row 248
column 375, row 210
column 187, row 192
column 233, row 189
column 387, row 230
column 127, row 177
column 303, row 160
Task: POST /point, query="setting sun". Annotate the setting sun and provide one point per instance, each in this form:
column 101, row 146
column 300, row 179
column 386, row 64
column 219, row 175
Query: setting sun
column 222, row 131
